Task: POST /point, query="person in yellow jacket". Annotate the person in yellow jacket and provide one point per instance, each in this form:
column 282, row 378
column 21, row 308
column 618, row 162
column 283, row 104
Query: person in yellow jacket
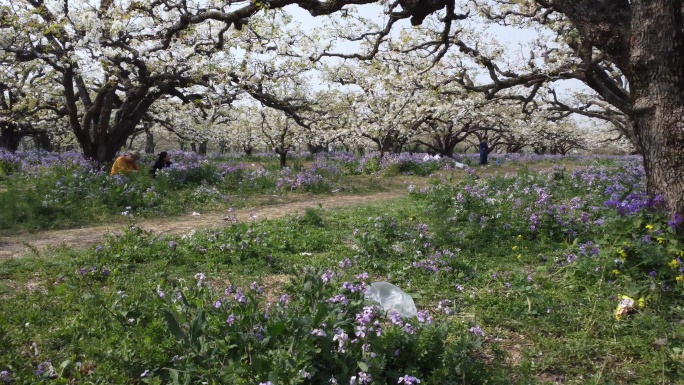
column 125, row 163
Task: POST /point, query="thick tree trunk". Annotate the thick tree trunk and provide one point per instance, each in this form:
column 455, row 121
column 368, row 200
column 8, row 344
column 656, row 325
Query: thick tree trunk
column 149, row 141
column 91, row 118
column 42, row 141
column 316, row 148
column 386, row 145
column 102, row 144
column 105, row 149
column 9, row 137
column 663, row 141
column 657, row 65
column 202, row 148
column 282, row 154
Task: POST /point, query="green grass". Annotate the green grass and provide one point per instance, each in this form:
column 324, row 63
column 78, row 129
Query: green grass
column 543, row 322
column 36, row 205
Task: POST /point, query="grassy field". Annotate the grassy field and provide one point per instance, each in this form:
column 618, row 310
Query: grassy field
column 48, row 191
column 518, row 279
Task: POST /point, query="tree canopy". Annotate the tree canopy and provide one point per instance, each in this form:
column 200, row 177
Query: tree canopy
column 110, row 62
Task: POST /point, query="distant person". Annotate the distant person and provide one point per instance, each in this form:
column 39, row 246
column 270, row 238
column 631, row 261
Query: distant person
column 484, row 149
column 126, row 163
column 163, row 161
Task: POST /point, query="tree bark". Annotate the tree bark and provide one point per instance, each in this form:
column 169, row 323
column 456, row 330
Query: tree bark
column 657, row 66
column 9, row 137
column 98, row 137
column 249, row 150
column 202, row 148
column 316, row 148
column 282, row 155
column 644, row 39
column 42, row 141
column 149, row 141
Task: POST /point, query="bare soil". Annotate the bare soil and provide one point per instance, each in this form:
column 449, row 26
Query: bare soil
column 270, row 207
column 23, row 244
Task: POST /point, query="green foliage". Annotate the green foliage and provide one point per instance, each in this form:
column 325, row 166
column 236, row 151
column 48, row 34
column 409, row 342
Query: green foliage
column 7, row 167
column 409, row 166
column 383, row 238
column 68, row 194
column 312, row 217
column 508, row 304
column 371, row 165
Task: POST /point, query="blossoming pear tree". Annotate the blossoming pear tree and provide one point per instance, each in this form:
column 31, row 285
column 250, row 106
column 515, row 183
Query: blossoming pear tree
column 29, row 105
column 386, row 110
column 280, row 133
column 116, row 58
column 627, row 52
column 113, row 60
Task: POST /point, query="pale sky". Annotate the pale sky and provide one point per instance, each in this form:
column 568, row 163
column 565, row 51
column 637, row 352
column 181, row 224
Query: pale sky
column 512, row 38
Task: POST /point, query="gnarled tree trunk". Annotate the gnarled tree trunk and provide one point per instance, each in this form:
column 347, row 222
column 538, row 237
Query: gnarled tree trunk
column 10, row 137
column 657, row 67
column 149, row 140
column 282, row 156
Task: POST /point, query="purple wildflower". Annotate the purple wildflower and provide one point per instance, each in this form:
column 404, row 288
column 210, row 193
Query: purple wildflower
column 424, row 317
column 395, row 318
column 327, row 276
column 364, row 378
column 477, row 330
column 239, row 296
column 338, row 298
column 5, row 377
column 43, row 367
column 346, row 262
column 408, row 380
column 341, row 337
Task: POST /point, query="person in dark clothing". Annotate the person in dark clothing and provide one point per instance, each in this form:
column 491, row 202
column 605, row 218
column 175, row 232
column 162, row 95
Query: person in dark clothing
column 484, row 149
column 163, row 161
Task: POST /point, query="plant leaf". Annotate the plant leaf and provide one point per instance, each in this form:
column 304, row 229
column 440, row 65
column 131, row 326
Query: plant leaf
column 173, row 325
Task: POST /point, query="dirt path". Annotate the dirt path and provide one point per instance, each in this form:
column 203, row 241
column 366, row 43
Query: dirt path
column 16, row 246
column 23, row 244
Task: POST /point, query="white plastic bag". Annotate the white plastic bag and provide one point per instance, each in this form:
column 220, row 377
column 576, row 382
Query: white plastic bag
column 391, row 298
